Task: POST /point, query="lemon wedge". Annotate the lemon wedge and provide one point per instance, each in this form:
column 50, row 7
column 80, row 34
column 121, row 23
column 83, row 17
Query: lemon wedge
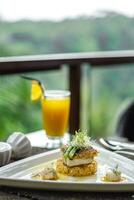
column 36, row 91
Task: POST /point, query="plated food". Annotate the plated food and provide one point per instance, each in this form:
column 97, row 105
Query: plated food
column 47, row 173
column 113, row 175
column 78, row 159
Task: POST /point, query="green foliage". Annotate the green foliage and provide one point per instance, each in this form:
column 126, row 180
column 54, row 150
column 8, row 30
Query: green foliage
column 110, row 32
column 15, row 107
column 112, row 88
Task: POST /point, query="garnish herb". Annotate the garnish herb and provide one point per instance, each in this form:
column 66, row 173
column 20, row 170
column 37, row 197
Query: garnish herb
column 81, row 140
column 116, row 170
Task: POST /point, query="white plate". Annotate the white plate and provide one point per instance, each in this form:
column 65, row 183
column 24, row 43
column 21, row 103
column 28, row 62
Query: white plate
column 18, row 174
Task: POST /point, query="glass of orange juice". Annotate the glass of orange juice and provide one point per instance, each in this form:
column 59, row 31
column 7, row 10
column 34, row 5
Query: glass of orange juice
column 55, row 111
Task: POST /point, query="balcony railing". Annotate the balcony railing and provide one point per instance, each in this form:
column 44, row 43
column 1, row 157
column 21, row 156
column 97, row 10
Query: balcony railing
column 74, row 61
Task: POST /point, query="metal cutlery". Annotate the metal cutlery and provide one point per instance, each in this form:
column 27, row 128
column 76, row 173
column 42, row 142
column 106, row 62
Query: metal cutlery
column 127, row 154
column 113, row 147
column 119, row 148
column 129, row 145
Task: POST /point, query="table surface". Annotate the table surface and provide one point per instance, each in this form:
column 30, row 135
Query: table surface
column 8, row 193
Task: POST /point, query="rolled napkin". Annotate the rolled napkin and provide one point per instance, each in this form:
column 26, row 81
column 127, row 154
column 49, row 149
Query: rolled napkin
column 21, row 146
column 5, row 153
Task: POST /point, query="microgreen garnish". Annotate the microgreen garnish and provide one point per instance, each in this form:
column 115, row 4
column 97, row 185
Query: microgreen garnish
column 116, row 170
column 81, row 140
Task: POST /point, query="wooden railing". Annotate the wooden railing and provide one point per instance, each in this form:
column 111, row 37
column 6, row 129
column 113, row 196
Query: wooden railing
column 12, row 65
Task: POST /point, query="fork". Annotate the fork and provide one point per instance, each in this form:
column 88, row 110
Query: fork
column 110, row 146
column 128, row 152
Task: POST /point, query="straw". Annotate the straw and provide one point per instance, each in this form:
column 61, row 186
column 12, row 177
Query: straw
column 34, row 79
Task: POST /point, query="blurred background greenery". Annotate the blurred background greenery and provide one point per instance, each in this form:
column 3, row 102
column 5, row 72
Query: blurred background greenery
column 111, row 88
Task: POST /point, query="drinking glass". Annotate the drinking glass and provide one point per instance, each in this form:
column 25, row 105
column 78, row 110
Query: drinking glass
column 55, row 111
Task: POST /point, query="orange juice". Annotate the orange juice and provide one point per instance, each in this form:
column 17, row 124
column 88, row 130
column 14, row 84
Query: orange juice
column 55, row 110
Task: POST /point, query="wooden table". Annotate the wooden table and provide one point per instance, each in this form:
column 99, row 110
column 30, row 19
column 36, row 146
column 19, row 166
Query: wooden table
column 38, row 141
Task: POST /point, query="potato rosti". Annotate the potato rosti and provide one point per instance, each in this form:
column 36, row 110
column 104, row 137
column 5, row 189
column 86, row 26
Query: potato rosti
column 81, row 170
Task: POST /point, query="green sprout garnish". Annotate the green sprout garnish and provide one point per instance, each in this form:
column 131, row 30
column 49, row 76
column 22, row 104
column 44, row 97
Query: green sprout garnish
column 116, row 170
column 80, row 140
